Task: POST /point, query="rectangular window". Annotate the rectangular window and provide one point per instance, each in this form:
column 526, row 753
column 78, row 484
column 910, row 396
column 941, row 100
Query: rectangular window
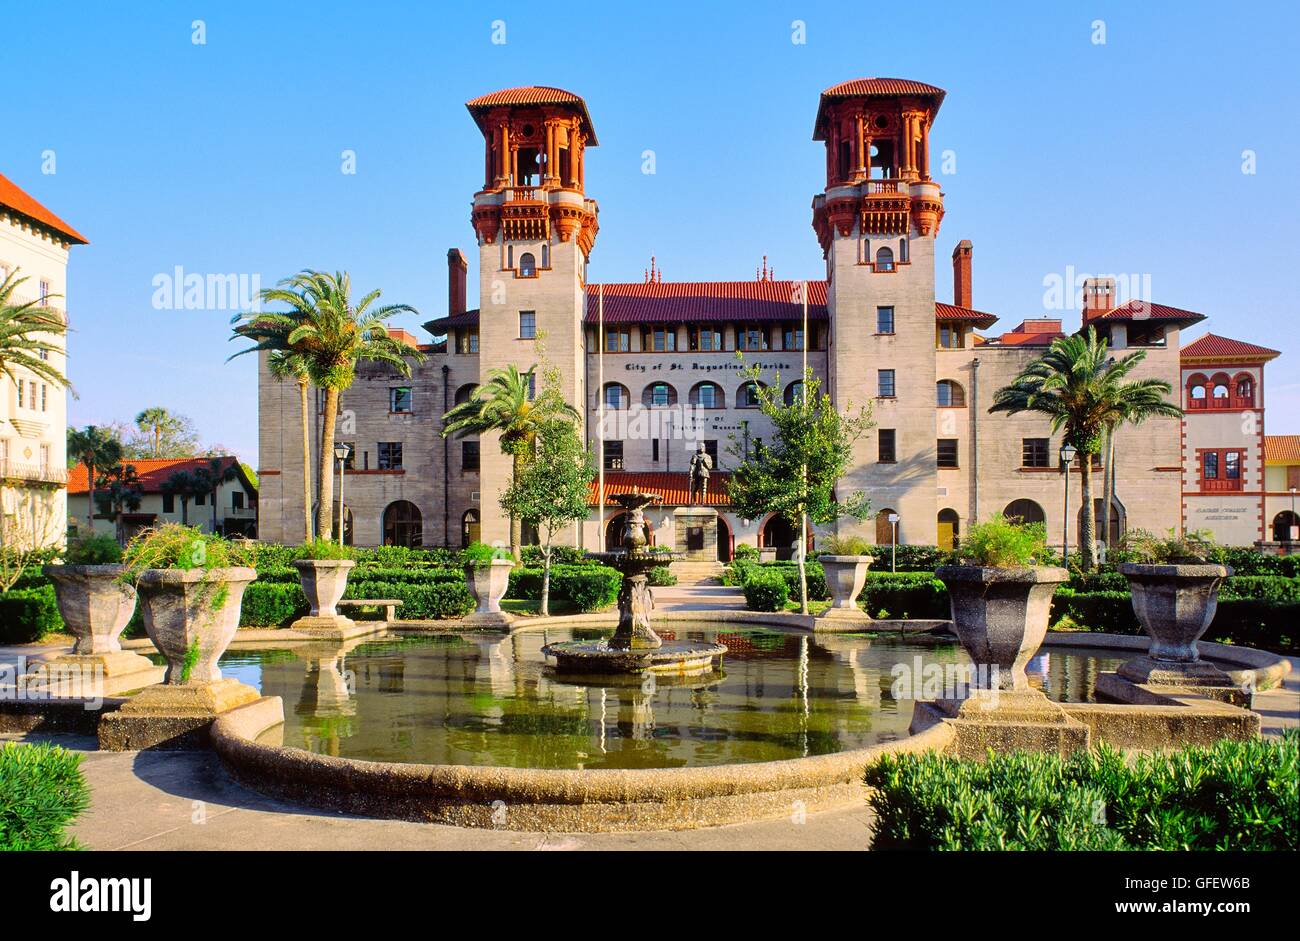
column 390, row 455
column 884, row 319
column 399, row 399
column 1232, row 465
column 711, row 449
column 792, row 338
column 469, row 457
column 706, row 339
column 20, row 393
column 532, row 386
column 886, row 448
column 664, row 341
column 45, row 457
column 947, row 452
column 1034, row 452
column 467, row 341
column 613, row 455
column 236, row 499
column 618, row 341
column 528, row 325
column 885, row 383
column 614, row 396
column 1211, row 471
column 200, row 499
column 169, row 503
column 753, row 339
column 45, row 292
column 654, row 450
column 44, row 389
column 950, row 338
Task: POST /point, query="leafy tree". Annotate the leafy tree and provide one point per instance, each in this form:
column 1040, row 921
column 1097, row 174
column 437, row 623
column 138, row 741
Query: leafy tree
column 94, row 447
column 332, row 334
column 183, row 485
column 794, row 475
column 120, row 491
column 28, row 330
column 550, row 491
column 283, row 365
column 505, row 404
column 1083, row 390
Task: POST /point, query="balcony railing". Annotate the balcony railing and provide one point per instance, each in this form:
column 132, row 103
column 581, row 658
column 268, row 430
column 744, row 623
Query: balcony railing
column 523, row 194
column 241, row 513
column 882, row 186
column 14, row 470
column 1221, row 485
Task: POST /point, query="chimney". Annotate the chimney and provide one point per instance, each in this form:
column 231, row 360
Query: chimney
column 456, row 269
column 961, row 277
column 1098, row 297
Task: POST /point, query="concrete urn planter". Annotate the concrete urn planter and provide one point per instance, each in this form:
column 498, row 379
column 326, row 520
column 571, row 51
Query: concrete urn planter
column 488, row 583
column 95, row 606
column 192, row 609
column 323, row 582
column 845, row 577
column 1000, row 616
column 1175, row 604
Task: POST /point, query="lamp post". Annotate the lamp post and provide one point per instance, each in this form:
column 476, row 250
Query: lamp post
column 893, row 544
column 341, row 454
column 1068, row 452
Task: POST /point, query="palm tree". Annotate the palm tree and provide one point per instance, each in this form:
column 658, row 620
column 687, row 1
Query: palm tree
column 332, row 335
column 157, row 422
column 283, row 365
column 1082, row 389
column 209, row 478
column 505, row 403
column 95, row 447
column 27, row 330
column 182, row 484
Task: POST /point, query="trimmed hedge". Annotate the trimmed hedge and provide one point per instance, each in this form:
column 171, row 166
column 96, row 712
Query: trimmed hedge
column 766, row 590
column 41, row 792
column 1230, row 796
column 586, row 587
column 912, row 595
column 27, row 615
column 740, row 571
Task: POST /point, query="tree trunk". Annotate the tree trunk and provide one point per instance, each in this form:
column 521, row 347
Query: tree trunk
column 90, row 513
column 185, row 511
column 1109, row 488
column 1088, row 538
column 545, row 609
column 516, row 525
column 214, row 511
column 803, row 564
column 325, row 511
column 306, row 459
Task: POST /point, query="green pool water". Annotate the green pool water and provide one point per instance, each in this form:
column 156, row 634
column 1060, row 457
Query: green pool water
column 493, row 700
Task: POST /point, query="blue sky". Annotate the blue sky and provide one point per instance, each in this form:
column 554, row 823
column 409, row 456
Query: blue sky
column 225, row 157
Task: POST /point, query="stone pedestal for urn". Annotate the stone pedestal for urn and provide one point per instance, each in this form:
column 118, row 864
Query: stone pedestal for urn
column 488, row 583
column 324, row 581
column 845, row 577
column 96, row 608
column 1000, row 616
column 191, row 616
column 1175, row 604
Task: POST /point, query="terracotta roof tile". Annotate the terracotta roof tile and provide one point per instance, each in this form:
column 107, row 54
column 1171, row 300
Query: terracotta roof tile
column 1213, row 346
column 953, row 313
column 1145, row 310
column 674, row 488
column 13, row 198
column 704, row 301
column 530, row 95
column 873, row 88
column 151, row 471
column 1282, row 448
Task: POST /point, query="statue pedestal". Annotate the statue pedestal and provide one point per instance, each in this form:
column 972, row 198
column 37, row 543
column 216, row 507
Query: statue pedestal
column 696, row 529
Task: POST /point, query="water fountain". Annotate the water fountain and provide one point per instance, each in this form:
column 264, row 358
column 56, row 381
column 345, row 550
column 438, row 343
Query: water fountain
column 634, row 646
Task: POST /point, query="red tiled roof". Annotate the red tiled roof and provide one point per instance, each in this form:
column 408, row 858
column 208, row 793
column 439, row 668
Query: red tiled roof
column 439, row 327
column 951, row 312
column 874, row 88
column 530, row 95
column 1282, row 448
column 1145, row 310
column 151, row 471
column 1213, row 346
column 13, row 198
column 704, row 301
column 674, row 488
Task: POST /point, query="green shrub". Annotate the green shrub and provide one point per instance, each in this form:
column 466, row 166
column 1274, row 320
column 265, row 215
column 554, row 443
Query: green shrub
column 93, row 550
column 41, row 792
column 1262, row 587
column 1231, row 796
column 913, row 558
column 1140, row 546
column 661, row 576
column 268, row 604
column 746, row 552
column 28, row 614
column 173, row 546
column 766, row 590
column 587, row 587
column 560, row 555
column 325, row 550
column 911, row 595
column 1001, row 543
column 480, row 553
column 846, row 545
column 422, row 602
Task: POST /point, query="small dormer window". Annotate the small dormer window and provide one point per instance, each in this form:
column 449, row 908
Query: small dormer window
column 527, row 265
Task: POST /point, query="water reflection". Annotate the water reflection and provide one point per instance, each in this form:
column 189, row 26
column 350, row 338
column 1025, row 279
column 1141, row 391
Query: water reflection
column 493, row 700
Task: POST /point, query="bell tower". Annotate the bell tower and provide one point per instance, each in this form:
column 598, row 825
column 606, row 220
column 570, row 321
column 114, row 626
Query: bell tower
column 876, row 220
column 536, row 229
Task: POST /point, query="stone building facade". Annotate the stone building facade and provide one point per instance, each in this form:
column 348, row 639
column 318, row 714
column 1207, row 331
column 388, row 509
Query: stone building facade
column 670, row 374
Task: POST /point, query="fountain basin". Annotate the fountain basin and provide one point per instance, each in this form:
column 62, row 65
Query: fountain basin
column 599, row 658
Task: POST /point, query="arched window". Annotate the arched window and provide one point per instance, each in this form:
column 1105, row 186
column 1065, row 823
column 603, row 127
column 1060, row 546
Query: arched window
column 884, row 528
column 707, row 395
column 403, row 525
column 1286, row 527
column 527, row 265
column 950, row 394
column 1196, row 390
column 1219, row 389
column 885, row 259
column 464, row 392
column 948, row 530
column 1244, row 391
column 747, row 396
column 794, row 392
column 1024, row 511
column 617, row 395
column 659, row 395
column 471, row 530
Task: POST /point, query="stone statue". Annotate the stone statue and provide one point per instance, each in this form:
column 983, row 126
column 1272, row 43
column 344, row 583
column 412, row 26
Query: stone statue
column 701, row 464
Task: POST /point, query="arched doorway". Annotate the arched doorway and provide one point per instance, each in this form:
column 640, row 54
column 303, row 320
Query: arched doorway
column 1285, row 527
column 884, row 528
column 724, row 539
column 779, row 534
column 471, row 530
column 948, row 532
column 403, row 525
column 1024, row 511
column 1099, row 521
column 614, row 532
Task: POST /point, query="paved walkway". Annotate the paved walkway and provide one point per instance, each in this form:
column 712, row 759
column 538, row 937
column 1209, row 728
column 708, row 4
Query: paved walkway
column 698, row 598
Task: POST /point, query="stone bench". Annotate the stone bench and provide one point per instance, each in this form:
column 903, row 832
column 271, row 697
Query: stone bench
column 390, row 605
